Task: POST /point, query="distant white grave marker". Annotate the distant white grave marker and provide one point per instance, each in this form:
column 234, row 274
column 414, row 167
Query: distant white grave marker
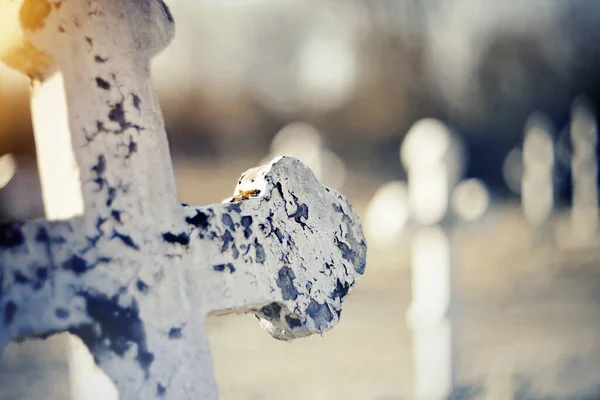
column 427, row 316
column 434, row 160
column 537, row 185
column 387, row 214
column 305, row 142
column 584, row 166
column 470, row 199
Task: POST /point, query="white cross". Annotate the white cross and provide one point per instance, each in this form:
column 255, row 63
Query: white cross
column 537, row 184
column 133, row 272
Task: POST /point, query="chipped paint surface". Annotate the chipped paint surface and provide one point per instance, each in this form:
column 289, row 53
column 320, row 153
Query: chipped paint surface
column 135, row 276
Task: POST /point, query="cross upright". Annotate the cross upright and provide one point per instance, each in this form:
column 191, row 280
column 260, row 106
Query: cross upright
column 119, row 261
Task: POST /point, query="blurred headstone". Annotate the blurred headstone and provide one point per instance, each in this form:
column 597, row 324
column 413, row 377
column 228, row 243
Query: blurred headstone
column 470, row 199
column 428, row 315
column 584, row 167
column 387, row 215
column 305, row 142
column 537, row 184
column 434, row 161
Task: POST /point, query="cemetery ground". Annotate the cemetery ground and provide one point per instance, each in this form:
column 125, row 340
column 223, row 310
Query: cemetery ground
column 528, row 323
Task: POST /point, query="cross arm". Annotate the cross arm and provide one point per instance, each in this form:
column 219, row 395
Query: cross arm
column 284, row 247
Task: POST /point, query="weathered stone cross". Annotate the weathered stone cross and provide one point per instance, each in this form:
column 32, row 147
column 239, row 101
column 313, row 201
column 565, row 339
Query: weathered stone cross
column 120, row 262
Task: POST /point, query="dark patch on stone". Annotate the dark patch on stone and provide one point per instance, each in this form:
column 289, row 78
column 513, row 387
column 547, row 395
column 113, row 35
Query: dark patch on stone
column 236, row 207
column 93, row 240
column 116, row 214
column 87, row 38
column 100, row 60
column 132, row 148
column 259, row 252
column 235, row 252
column 247, row 223
column 102, row 84
column 245, row 249
column 103, row 260
column 100, row 166
column 166, row 11
column 181, row 238
column 320, row 314
column 337, row 208
column 142, row 286
column 126, row 239
column 160, row 390
column 112, row 193
column 76, row 264
column 62, row 313
column 117, row 114
column 33, row 14
column 301, row 212
column 10, row 309
column 42, row 236
column 285, row 281
column 175, row 333
column 20, row 279
column 280, row 190
column 122, row 327
column 200, row 220
column 351, row 255
column 349, row 252
column 227, row 221
column 61, row 29
column 278, row 234
column 145, row 359
column 227, row 238
column 271, row 311
column 263, row 229
column 11, row 235
column 42, row 276
column 341, row 290
column 136, row 101
column 293, row 322
column 223, row 267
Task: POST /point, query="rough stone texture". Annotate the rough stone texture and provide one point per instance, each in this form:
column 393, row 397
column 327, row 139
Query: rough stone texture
column 135, row 275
